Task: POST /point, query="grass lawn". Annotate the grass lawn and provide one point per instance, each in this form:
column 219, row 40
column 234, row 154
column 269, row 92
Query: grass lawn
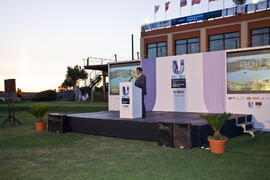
column 27, row 154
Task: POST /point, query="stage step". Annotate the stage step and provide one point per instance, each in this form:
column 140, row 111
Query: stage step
column 253, row 130
column 248, row 126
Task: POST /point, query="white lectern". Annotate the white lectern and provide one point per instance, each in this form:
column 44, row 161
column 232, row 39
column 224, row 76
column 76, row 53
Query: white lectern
column 130, row 100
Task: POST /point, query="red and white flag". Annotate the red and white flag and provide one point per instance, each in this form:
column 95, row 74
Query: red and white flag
column 156, row 8
column 183, row 3
column 167, row 5
column 195, row 2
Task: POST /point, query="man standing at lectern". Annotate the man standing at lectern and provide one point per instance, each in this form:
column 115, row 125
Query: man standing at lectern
column 141, row 83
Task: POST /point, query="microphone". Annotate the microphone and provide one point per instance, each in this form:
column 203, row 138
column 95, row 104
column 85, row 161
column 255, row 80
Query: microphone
column 130, row 79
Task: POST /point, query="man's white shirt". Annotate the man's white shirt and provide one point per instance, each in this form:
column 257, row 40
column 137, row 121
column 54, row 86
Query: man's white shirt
column 139, row 76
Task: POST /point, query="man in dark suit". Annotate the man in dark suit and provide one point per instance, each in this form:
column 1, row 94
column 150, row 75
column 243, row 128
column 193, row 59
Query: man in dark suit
column 141, row 83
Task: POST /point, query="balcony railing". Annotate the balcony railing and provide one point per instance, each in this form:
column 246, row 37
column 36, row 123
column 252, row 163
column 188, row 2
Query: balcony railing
column 223, row 13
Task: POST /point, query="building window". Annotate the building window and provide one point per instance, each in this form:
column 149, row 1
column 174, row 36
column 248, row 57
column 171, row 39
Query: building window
column 187, row 46
column 260, row 37
column 156, row 49
column 224, row 41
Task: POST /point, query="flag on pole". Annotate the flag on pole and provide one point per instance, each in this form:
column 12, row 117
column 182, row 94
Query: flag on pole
column 195, row 2
column 156, row 8
column 167, row 5
column 183, row 3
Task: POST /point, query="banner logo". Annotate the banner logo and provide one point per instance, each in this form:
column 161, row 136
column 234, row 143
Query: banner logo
column 178, row 68
column 125, row 90
column 178, row 79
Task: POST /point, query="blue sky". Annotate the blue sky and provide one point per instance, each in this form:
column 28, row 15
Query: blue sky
column 40, row 38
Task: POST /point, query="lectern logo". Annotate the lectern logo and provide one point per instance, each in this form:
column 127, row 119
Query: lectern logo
column 178, row 68
column 125, row 90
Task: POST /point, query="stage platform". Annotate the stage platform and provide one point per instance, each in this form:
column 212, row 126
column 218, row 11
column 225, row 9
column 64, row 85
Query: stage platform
column 108, row 123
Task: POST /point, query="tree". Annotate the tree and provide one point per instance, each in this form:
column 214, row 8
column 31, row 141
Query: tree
column 239, row 2
column 67, row 83
column 73, row 75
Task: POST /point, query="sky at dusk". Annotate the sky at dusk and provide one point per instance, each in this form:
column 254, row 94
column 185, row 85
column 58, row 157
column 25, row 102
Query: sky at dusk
column 40, row 38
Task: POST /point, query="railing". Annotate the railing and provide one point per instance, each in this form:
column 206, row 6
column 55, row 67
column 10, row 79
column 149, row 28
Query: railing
column 91, row 61
column 95, row 80
column 91, row 77
column 99, row 61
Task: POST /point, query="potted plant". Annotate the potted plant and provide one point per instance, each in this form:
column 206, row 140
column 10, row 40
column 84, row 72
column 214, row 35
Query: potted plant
column 39, row 111
column 217, row 141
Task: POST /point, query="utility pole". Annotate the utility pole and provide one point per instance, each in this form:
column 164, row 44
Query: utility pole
column 115, row 57
column 88, row 61
column 132, row 47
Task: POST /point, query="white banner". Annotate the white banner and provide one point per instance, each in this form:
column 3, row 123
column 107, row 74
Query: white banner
column 158, row 25
column 241, row 9
column 255, row 104
column 251, row 7
column 189, row 99
column 262, row 5
column 228, row 12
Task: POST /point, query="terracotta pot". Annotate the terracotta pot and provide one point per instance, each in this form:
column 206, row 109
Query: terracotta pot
column 217, row 146
column 40, row 126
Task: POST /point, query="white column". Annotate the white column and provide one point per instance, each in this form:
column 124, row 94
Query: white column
column 203, row 40
column 170, row 44
column 244, row 34
column 142, row 48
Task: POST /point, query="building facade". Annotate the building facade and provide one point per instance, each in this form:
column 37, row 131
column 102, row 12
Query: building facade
column 237, row 31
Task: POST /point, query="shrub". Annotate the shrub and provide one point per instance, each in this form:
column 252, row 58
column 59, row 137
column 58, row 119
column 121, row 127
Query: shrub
column 39, row 111
column 48, row 95
column 65, row 95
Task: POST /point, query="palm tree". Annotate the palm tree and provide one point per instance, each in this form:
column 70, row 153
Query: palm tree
column 39, row 111
column 216, row 121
